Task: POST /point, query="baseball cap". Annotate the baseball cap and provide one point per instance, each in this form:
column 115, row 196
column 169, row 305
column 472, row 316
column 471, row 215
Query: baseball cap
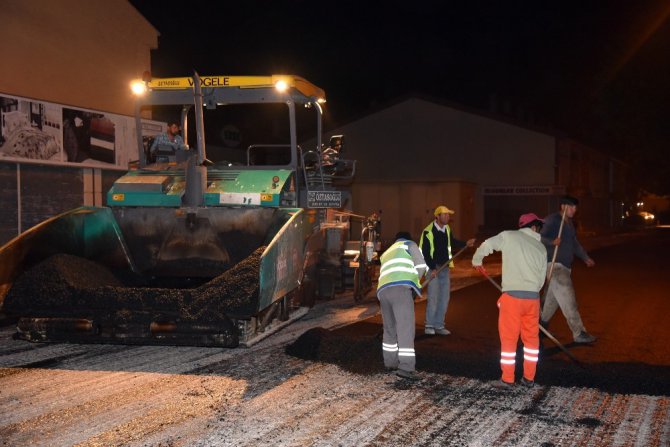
column 528, row 219
column 569, row 200
column 443, row 209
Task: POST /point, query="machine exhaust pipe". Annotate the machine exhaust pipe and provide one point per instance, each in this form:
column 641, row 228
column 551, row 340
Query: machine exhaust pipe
column 196, row 184
column 196, row 172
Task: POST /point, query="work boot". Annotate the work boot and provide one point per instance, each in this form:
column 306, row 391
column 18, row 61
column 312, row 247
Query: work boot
column 409, row 375
column 442, row 331
column 527, row 383
column 429, row 330
column 585, row 337
column 502, row 385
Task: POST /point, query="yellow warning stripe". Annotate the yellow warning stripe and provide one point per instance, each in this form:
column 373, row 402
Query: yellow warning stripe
column 302, row 85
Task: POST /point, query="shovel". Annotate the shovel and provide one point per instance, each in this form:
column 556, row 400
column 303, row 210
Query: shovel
column 425, row 283
column 553, row 258
column 546, row 332
column 445, row 265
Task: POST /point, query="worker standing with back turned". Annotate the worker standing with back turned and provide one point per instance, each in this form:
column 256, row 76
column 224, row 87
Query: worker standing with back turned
column 402, row 267
column 524, row 266
column 560, row 291
column 437, row 245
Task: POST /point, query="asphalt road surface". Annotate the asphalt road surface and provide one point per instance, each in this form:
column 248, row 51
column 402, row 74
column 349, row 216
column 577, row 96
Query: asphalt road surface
column 332, row 390
column 624, row 300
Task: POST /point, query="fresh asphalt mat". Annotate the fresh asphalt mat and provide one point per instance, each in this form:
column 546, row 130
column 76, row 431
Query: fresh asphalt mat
column 472, row 351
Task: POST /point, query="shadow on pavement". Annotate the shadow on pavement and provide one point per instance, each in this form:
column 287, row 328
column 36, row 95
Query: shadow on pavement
column 472, row 350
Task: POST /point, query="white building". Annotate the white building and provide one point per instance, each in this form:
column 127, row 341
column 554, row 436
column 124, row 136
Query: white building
column 417, row 154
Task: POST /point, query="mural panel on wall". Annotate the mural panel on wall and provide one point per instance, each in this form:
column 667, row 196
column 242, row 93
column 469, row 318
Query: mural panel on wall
column 52, row 133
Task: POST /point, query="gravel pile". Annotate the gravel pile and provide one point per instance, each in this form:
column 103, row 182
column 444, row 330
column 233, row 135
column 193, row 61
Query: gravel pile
column 70, row 286
column 237, row 289
column 57, row 283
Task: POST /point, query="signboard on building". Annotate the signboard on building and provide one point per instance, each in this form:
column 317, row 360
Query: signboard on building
column 525, row 190
column 32, row 130
column 324, row 199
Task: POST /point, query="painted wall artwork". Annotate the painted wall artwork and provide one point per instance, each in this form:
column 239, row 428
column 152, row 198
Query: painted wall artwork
column 50, row 133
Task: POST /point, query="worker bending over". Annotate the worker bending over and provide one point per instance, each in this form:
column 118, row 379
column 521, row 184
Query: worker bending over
column 524, row 266
column 402, row 267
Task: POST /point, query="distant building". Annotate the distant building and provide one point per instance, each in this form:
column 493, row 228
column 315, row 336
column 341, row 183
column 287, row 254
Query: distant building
column 418, row 153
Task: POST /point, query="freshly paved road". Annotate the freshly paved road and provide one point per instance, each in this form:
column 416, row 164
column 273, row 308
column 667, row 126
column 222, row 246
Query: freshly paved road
column 624, row 300
column 106, row 395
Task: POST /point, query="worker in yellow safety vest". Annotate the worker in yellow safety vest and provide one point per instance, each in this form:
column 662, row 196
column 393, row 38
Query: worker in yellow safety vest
column 402, row 267
column 437, row 242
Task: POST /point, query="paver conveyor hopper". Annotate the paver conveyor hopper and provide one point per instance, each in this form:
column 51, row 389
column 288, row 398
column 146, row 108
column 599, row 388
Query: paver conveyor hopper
column 188, row 251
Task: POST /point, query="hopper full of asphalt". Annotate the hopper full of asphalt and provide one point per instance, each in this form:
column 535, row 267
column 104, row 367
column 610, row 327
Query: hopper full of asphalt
column 65, row 286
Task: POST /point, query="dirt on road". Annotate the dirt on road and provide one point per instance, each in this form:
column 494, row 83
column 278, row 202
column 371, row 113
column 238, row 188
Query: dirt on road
column 332, row 390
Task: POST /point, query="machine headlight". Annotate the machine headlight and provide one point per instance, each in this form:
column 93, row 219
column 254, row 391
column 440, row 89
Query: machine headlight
column 281, row 85
column 138, row 88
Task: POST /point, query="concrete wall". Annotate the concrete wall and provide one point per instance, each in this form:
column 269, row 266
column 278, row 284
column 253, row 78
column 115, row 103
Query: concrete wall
column 409, row 205
column 31, row 193
column 76, row 52
column 598, row 182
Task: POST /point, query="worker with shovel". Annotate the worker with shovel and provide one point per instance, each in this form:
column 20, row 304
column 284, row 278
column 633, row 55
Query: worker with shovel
column 402, row 267
column 437, row 243
column 560, row 238
column 524, row 266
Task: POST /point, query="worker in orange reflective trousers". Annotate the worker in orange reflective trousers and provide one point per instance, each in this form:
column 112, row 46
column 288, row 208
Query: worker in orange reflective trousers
column 524, row 268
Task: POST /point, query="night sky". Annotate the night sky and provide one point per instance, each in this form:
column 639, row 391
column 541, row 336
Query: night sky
column 596, row 70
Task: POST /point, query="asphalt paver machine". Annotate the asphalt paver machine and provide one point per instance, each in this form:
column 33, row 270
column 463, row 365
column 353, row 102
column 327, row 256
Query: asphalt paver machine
column 195, row 250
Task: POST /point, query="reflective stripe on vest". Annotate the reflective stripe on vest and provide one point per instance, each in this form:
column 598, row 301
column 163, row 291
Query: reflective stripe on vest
column 429, row 234
column 398, row 267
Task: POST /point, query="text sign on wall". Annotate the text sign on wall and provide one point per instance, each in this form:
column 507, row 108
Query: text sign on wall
column 324, row 199
column 526, row 190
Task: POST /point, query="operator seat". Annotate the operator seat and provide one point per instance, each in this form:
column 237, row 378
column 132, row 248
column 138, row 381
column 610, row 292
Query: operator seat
column 165, row 153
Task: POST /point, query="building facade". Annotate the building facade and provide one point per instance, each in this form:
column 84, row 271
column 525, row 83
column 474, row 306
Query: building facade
column 65, row 103
column 417, row 154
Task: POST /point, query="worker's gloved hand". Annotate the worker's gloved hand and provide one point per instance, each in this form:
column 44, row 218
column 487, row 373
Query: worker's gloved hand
column 481, row 269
